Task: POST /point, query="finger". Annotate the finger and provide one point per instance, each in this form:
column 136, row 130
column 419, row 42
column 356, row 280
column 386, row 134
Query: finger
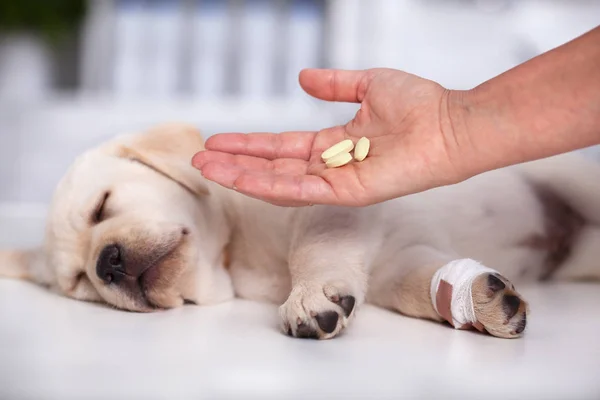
column 279, row 166
column 226, row 175
column 265, row 145
column 285, row 189
column 223, row 174
column 281, row 203
column 335, row 84
column 282, row 190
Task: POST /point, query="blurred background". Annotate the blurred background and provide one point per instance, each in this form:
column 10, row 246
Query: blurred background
column 74, row 73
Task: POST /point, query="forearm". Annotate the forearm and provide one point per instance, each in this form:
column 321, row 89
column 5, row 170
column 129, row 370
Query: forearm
column 546, row 106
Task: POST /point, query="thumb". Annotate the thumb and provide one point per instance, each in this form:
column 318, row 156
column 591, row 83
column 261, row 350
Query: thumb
column 335, row 84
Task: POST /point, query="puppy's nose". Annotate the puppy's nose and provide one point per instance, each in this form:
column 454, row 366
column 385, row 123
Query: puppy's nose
column 110, row 266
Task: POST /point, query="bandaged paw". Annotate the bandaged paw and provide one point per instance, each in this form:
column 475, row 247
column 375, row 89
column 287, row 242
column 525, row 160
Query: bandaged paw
column 451, row 292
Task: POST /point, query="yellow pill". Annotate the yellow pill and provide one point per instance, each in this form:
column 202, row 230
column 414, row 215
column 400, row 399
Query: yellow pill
column 362, row 149
column 338, row 160
column 345, row 146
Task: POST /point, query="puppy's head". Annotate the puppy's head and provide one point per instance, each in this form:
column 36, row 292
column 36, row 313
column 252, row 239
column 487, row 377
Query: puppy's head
column 132, row 224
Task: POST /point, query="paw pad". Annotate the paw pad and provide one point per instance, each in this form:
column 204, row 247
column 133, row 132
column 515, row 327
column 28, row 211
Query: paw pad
column 346, row 302
column 327, row 321
column 510, row 304
column 495, row 284
column 316, row 313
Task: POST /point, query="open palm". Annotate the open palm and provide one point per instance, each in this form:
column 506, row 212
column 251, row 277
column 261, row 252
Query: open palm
column 400, row 114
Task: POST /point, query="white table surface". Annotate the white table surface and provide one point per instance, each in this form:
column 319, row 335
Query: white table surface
column 56, row 348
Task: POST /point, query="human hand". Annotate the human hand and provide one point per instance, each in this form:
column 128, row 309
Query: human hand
column 406, row 118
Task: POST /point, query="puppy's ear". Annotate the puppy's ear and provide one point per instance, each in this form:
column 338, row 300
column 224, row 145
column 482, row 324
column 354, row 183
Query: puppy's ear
column 169, row 150
column 24, row 264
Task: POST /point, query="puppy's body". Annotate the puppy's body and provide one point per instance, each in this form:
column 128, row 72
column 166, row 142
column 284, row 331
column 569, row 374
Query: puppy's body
column 165, row 235
column 489, row 218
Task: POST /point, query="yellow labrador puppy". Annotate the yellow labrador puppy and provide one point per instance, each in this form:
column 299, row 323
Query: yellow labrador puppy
column 132, row 224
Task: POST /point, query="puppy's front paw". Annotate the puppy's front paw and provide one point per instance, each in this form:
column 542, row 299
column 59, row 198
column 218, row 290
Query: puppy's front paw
column 500, row 309
column 316, row 312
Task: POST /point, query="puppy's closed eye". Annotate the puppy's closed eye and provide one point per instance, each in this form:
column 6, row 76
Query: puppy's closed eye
column 98, row 215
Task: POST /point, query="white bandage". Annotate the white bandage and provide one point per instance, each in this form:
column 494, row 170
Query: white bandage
column 451, row 292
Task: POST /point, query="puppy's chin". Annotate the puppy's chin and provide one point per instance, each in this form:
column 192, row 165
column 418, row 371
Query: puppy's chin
column 159, row 284
column 156, row 289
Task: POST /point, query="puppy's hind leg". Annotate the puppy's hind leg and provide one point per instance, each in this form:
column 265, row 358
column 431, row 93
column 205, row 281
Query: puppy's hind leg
column 434, row 285
column 583, row 262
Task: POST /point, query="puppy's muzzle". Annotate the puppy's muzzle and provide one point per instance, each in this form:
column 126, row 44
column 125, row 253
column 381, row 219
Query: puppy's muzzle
column 135, row 265
column 114, row 264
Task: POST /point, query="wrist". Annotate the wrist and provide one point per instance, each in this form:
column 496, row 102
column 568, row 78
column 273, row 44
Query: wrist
column 484, row 129
column 456, row 109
